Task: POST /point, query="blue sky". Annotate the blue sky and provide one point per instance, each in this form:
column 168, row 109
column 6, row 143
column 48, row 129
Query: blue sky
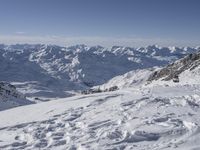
column 101, row 22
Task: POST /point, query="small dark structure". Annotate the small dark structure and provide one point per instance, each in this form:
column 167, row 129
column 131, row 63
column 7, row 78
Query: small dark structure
column 176, row 79
column 114, row 88
column 98, row 90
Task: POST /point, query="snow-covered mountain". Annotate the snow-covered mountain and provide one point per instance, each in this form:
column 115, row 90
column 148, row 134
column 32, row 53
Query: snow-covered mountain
column 145, row 117
column 53, row 71
column 10, row 97
column 185, row 70
column 146, row 112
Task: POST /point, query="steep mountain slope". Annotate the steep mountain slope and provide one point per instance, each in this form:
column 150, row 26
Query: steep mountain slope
column 10, row 97
column 53, row 71
column 186, row 70
column 185, row 67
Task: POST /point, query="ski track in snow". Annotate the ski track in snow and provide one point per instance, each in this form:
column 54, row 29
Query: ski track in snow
column 129, row 119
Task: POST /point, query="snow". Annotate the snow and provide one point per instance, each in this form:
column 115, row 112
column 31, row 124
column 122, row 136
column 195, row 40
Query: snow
column 131, row 79
column 132, row 118
column 140, row 115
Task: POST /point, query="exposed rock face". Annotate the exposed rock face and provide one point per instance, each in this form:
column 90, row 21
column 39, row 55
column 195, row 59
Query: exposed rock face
column 171, row 71
column 10, row 97
column 7, row 90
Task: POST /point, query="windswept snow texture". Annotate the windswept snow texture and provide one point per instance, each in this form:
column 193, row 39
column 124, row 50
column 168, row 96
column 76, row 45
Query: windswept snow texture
column 147, row 117
column 133, row 78
column 10, row 97
column 49, row 71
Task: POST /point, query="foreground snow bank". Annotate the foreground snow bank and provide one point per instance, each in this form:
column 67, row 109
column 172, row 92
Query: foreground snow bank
column 149, row 117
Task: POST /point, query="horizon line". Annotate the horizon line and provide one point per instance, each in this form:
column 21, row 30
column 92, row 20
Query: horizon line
column 96, row 41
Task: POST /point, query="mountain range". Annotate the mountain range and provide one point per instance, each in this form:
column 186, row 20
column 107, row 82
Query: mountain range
column 152, row 102
column 42, row 72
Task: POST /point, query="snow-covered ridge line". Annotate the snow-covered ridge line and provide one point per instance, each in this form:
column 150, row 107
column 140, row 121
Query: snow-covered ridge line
column 189, row 63
column 114, row 48
column 185, row 71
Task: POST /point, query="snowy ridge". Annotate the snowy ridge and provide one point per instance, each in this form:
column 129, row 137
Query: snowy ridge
column 10, row 97
column 187, row 68
column 41, row 70
column 133, row 78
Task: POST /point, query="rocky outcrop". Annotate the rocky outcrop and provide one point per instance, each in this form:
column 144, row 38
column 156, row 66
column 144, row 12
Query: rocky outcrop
column 98, row 90
column 173, row 70
column 10, row 97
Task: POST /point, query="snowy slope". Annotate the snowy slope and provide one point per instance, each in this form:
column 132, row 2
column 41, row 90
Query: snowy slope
column 133, row 78
column 187, row 70
column 10, row 97
column 143, row 118
column 49, row 71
